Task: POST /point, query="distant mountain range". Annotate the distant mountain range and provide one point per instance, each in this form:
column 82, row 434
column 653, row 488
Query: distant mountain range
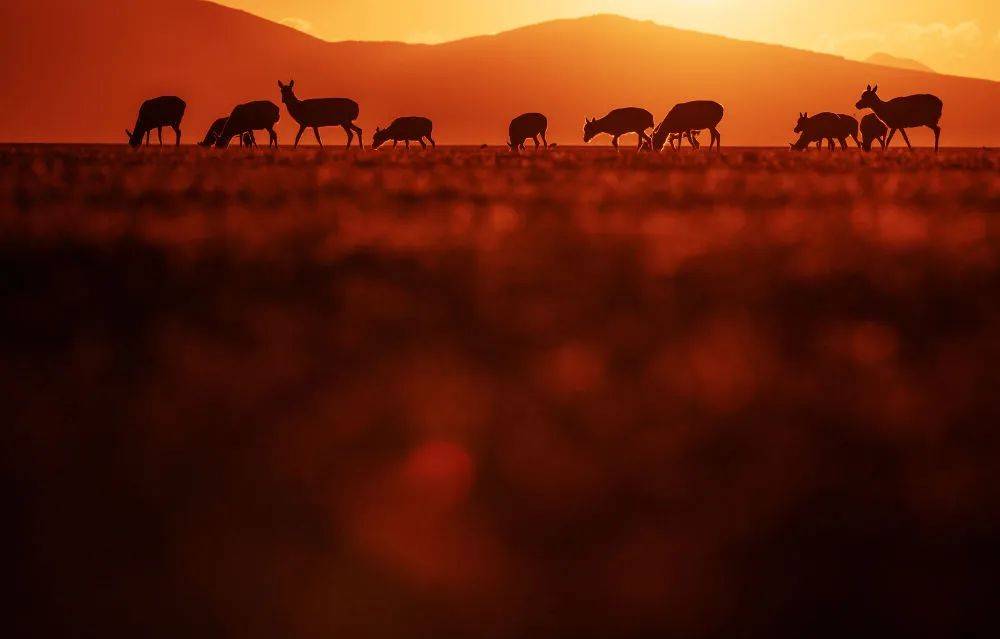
column 886, row 60
column 76, row 70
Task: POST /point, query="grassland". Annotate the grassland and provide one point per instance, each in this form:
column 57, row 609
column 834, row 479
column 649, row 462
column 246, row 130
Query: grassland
column 461, row 393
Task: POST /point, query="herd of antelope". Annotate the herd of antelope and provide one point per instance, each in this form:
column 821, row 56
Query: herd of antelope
column 684, row 121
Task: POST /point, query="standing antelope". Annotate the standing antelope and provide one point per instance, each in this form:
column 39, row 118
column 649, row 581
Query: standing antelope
column 318, row 112
column 619, row 122
column 167, row 110
column 524, row 126
column 905, row 112
column 872, row 129
column 687, row 117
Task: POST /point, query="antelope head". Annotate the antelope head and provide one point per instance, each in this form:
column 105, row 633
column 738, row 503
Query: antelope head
column 869, row 98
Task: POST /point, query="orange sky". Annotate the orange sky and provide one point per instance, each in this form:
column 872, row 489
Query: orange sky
column 952, row 36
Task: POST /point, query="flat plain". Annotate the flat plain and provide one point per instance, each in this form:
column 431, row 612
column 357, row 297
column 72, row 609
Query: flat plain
column 465, row 393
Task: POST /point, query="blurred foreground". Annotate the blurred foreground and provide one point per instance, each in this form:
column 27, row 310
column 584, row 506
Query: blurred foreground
column 462, row 394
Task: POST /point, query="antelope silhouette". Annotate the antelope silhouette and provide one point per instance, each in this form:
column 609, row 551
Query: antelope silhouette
column 872, row 129
column 251, row 116
column 317, row 112
column 904, row 113
column 619, row 122
column 850, row 124
column 214, row 131
column 406, row 128
column 828, row 126
column 524, row 126
column 167, row 110
column 687, row 117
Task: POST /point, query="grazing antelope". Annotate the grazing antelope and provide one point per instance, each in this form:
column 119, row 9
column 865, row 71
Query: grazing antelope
column 318, row 112
column 904, row 113
column 619, row 122
column 872, row 129
column 524, row 126
column 687, row 117
column 252, row 116
column 167, row 110
column 214, row 131
column 406, row 129
column 825, row 126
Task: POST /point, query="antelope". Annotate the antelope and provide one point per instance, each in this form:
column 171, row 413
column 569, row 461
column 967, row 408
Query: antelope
column 850, row 124
column 619, row 122
column 687, row 117
column 904, row 113
column 167, row 110
column 318, row 112
column 406, row 129
column 214, row 131
column 872, row 129
column 828, row 126
column 251, row 116
column 524, row 126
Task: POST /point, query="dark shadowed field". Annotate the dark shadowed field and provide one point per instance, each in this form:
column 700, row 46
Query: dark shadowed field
column 462, row 394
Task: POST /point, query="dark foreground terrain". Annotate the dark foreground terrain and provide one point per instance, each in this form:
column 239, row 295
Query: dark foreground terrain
column 461, row 394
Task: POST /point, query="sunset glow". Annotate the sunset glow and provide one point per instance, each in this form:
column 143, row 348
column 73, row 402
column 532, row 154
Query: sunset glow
column 960, row 37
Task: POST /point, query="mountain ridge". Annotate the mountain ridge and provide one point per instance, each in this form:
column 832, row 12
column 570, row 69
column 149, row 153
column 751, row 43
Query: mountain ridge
column 889, row 60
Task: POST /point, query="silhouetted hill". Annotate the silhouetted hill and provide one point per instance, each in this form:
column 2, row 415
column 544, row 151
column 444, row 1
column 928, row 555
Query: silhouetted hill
column 76, row 70
column 886, row 60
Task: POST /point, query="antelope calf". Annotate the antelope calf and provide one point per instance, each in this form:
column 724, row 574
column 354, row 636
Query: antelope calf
column 872, row 129
column 692, row 137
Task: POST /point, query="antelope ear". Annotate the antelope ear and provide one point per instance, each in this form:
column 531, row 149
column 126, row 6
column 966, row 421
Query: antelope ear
column 806, row 114
column 128, row 133
column 280, row 85
column 875, row 90
column 869, row 88
column 291, row 83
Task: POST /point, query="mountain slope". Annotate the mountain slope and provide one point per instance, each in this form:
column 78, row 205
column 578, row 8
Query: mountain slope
column 76, row 70
column 886, row 60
